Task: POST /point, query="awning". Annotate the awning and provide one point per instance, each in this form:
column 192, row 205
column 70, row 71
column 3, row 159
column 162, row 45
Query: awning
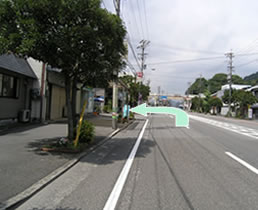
column 255, row 106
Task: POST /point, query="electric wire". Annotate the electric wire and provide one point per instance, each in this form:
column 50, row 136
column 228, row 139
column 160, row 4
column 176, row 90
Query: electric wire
column 140, row 16
column 245, row 64
column 135, row 19
column 146, row 20
column 187, row 60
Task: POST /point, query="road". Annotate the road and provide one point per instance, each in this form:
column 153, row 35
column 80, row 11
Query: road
column 211, row 165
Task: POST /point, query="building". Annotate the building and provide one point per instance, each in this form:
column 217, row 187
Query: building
column 254, row 107
column 16, row 88
column 220, row 94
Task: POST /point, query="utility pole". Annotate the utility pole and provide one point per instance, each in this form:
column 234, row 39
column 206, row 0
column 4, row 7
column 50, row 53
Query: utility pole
column 142, row 46
column 187, row 97
column 230, row 55
column 115, row 88
column 200, row 86
column 158, row 95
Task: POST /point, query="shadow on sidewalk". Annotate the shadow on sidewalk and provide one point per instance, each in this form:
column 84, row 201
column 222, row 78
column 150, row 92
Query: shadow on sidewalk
column 20, row 127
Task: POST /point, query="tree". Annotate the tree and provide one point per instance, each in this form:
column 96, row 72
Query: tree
column 135, row 89
column 225, row 97
column 199, row 86
column 243, row 99
column 197, row 104
column 215, row 103
column 238, row 80
column 215, row 83
column 76, row 36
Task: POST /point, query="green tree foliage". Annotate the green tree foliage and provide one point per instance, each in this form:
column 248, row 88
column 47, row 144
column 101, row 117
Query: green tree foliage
column 252, row 79
column 238, row 80
column 240, row 100
column 243, row 99
column 135, row 89
column 215, row 104
column 225, row 97
column 215, row 83
column 197, row 104
column 199, row 86
column 77, row 36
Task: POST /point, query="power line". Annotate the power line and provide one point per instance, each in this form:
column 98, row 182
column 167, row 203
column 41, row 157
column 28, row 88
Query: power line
column 188, row 60
column 131, row 67
column 247, row 54
column 146, row 21
column 185, row 49
column 139, row 11
column 245, row 64
column 134, row 54
column 248, row 46
column 135, row 19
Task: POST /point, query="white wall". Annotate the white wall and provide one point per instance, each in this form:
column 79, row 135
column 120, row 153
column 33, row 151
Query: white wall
column 36, row 104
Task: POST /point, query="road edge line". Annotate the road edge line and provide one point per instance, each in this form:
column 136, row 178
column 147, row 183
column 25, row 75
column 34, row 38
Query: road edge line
column 39, row 185
column 242, row 162
column 118, row 187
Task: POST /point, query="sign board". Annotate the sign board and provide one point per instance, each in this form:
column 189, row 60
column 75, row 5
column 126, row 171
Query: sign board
column 139, row 74
column 163, row 97
column 250, row 113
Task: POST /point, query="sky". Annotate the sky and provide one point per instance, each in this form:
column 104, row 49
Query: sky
column 183, row 30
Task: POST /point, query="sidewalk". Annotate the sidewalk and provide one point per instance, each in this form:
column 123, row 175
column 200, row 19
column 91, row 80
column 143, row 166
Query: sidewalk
column 22, row 163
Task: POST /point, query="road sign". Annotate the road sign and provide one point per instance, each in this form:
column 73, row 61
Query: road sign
column 182, row 119
column 139, row 74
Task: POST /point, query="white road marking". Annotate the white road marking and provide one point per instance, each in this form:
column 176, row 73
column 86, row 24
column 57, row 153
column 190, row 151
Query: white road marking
column 247, row 165
column 234, row 128
column 114, row 196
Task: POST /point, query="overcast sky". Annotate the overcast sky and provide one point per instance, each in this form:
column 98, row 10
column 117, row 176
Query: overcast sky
column 191, row 29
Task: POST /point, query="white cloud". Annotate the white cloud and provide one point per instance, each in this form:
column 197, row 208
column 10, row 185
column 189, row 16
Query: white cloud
column 201, row 25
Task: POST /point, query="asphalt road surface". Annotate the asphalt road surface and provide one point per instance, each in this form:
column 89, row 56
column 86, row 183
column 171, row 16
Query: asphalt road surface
column 212, row 165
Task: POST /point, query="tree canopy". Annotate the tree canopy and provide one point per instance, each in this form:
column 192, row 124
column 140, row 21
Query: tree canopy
column 199, row 86
column 214, row 84
column 77, row 36
column 135, row 89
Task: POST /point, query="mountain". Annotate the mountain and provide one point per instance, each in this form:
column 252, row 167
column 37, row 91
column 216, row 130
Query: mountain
column 214, row 84
column 251, row 77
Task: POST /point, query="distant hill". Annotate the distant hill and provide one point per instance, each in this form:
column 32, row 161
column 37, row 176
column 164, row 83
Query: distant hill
column 251, row 77
column 214, row 84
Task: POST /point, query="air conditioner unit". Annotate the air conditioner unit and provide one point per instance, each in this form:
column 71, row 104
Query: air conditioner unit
column 24, row 115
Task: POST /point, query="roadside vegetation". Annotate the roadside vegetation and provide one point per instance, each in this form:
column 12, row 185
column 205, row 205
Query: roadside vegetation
column 240, row 99
column 78, row 37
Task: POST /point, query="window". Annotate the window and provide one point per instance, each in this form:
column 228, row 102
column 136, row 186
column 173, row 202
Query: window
column 8, row 86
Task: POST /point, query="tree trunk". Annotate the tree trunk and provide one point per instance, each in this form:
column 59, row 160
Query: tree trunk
column 74, row 96
column 69, row 107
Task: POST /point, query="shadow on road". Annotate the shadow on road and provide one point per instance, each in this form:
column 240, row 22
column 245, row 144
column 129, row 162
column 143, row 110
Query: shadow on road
column 117, row 150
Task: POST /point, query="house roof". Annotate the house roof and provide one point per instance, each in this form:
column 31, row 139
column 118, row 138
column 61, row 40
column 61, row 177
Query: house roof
column 253, row 88
column 15, row 64
column 235, row 86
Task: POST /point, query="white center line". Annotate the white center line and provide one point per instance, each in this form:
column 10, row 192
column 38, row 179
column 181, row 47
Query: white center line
column 247, row 165
column 114, row 196
column 230, row 128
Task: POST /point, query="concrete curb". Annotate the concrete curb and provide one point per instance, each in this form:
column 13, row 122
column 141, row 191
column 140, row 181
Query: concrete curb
column 33, row 189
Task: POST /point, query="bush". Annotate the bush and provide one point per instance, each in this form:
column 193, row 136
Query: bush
column 87, row 132
column 107, row 109
column 131, row 116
